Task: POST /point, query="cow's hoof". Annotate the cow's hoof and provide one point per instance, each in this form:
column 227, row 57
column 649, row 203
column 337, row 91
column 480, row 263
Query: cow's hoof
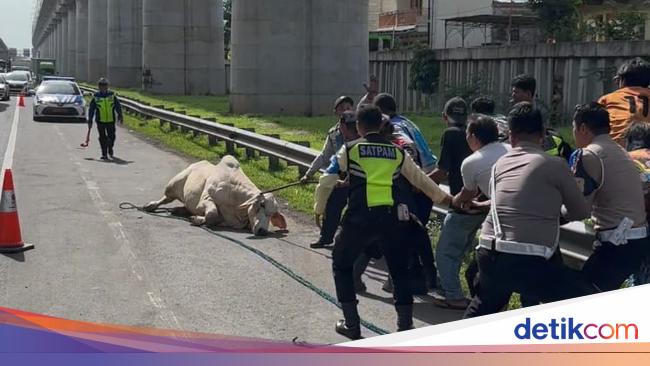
column 261, row 232
column 197, row 221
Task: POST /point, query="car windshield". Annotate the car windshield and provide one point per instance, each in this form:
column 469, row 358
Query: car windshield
column 58, row 87
column 17, row 76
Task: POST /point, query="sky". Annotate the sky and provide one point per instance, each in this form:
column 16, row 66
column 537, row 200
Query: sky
column 16, row 23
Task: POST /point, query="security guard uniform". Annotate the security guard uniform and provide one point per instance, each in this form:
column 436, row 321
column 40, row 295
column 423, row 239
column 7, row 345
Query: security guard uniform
column 105, row 108
column 555, row 145
column 373, row 165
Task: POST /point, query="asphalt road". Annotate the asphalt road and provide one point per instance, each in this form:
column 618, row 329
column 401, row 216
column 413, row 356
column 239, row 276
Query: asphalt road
column 95, row 262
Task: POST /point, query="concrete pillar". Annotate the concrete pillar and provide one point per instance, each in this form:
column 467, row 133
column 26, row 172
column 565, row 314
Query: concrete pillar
column 124, row 58
column 64, row 45
column 298, row 56
column 183, row 47
column 72, row 40
column 81, row 64
column 97, row 39
column 59, row 51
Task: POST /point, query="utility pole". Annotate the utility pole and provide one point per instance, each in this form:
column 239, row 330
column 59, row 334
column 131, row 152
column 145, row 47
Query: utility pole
column 510, row 22
column 430, row 39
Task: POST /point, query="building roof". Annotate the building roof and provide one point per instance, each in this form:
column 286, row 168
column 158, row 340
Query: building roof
column 494, row 19
column 3, row 46
column 399, row 28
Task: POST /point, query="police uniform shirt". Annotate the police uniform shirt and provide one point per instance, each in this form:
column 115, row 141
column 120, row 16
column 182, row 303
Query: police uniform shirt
column 408, row 169
column 641, row 158
column 619, row 193
column 625, row 106
column 531, row 187
column 333, row 142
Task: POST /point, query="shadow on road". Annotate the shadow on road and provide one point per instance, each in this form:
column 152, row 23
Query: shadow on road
column 61, row 120
column 3, row 107
column 119, row 161
column 430, row 314
column 18, row 257
column 115, row 160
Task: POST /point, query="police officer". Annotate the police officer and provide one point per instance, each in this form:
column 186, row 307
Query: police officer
column 373, row 164
column 523, row 90
column 338, row 199
column 611, row 183
column 105, row 109
column 520, row 235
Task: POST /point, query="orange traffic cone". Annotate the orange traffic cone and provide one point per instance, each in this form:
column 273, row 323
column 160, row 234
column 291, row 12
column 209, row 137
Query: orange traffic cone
column 10, row 239
column 21, row 100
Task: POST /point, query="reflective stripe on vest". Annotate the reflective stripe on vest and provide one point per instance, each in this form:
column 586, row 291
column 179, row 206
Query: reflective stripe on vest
column 379, row 165
column 551, row 145
column 105, row 106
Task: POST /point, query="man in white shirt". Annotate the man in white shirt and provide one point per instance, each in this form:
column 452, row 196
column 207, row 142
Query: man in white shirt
column 460, row 230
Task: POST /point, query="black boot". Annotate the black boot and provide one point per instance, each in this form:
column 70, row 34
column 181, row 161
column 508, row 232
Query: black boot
column 388, row 285
column 351, row 326
column 430, row 277
column 360, row 266
column 404, row 317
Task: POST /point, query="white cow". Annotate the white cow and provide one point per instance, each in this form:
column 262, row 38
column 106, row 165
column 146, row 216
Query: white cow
column 222, row 195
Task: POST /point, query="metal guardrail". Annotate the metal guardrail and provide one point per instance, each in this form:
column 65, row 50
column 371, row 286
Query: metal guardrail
column 576, row 238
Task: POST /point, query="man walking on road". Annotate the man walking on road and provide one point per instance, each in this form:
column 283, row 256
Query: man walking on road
column 105, row 108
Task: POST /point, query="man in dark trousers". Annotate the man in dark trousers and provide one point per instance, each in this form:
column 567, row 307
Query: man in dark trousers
column 528, row 188
column 373, row 165
column 610, row 181
column 105, row 109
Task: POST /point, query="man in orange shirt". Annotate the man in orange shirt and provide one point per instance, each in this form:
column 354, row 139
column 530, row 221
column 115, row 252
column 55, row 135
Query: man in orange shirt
column 631, row 102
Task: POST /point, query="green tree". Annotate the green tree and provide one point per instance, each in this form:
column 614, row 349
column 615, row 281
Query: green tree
column 625, row 27
column 558, row 19
column 425, row 71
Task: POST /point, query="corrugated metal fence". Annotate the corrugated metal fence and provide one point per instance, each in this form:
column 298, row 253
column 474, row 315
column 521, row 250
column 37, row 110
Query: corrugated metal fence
column 566, row 73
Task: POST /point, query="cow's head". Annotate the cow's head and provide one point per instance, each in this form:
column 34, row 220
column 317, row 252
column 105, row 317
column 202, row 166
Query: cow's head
column 262, row 210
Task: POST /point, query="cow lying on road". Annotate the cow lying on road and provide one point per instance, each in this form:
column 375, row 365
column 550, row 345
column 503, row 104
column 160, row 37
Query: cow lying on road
column 222, row 195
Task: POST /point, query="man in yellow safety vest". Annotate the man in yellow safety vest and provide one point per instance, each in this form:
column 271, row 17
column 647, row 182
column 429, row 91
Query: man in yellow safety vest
column 105, row 109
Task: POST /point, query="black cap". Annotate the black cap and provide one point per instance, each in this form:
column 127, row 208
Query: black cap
column 348, row 117
column 343, row 99
column 456, row 110
column 102, row 81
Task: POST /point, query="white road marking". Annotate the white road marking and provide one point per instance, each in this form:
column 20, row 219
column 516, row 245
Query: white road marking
column 8, row 161
column 121, row 237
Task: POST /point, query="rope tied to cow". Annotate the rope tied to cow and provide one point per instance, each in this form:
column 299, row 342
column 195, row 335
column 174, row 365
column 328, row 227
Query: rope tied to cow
column 298, row 183
column 167, row 213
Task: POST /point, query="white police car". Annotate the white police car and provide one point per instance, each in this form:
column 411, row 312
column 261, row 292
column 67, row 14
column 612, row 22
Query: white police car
column 59, row 98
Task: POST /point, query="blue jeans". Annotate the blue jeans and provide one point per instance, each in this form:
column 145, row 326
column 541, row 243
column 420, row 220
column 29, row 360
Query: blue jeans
column 456, row 239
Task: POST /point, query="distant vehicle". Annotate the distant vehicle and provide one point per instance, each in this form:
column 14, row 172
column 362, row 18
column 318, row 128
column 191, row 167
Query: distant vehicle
column 42, row 67
column 19, row 81
column 5, row 93
column 4, row 65
column 59, row 99
column 20, row 68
